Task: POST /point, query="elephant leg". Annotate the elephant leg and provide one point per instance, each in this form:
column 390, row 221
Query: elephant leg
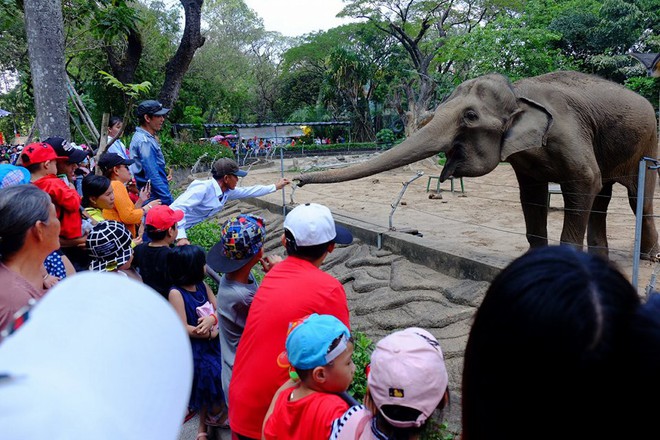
column 649, row 246
column 578, row 197
column 534, row 201
column 597, row 227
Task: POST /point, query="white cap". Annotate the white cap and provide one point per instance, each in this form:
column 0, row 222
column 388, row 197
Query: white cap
column 101, row 356
column 312, row 224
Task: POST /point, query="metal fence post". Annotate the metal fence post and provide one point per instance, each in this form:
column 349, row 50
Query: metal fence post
column 641, row 180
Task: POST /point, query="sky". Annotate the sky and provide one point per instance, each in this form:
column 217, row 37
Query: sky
column 297, row 17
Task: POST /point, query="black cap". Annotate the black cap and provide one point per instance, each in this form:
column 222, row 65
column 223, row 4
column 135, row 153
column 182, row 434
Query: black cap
column 151, row 107
column 65, row 149
column 226, row 166
column 109, row 160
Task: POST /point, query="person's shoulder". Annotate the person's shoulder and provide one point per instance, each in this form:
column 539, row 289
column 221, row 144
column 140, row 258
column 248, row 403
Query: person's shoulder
column 138, row 136
column 353, row 424
column 329, row 403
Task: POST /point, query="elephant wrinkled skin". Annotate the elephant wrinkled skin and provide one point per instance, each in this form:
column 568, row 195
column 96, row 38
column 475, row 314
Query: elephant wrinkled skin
column 578, row 130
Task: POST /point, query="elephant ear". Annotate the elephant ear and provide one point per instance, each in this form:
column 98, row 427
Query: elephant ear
column 528, row 128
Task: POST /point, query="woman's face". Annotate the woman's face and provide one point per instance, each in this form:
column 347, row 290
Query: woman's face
column 112, row 131
column 51, row 229
column 105, row 200
column 122, row 173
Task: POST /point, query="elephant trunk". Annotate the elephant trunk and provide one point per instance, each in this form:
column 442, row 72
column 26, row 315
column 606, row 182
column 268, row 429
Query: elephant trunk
column 422, row 144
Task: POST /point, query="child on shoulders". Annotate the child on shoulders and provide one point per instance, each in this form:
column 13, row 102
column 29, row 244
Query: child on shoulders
column 320, row 349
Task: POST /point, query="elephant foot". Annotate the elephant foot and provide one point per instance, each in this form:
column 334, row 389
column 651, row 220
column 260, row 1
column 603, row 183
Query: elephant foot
column 654, row 258
column 652, row 255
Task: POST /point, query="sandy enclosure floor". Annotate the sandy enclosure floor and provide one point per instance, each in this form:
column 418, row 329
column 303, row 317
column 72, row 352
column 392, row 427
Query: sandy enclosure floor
column 485, row 222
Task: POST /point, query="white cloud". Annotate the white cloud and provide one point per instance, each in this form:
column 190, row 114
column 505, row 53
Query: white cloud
column 297, row 17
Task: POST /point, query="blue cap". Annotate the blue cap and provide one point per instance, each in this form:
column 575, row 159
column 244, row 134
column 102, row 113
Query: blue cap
column 308, row 343
column 13, row 175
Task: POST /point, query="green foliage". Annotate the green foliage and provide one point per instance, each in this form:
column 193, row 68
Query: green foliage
column 111, row 18
column 436, row 431
column 192, row 115
column 363, row 346
column 385, row 136
column 647, row 87
column 522, row 51
column 346, row 146
column 205, row 234
column 187, row 154
column 133, row 91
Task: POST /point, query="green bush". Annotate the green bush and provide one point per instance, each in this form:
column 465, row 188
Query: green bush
column 205, row 234
column 386, row 136
column 363, row 346
column 186, row 154
column 344, row 146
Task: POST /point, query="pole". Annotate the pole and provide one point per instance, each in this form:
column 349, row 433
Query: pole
column 638, row 220
column 403, row 190
column 282, row 172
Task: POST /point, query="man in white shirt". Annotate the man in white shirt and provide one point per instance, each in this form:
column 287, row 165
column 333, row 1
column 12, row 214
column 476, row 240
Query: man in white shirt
column 205, row 198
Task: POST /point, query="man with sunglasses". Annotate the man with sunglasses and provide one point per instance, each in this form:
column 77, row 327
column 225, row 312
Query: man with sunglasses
column 205, row 198
column 145, row 150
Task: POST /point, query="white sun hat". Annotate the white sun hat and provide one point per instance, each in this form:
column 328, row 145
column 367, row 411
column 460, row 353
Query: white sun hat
column 101, row 356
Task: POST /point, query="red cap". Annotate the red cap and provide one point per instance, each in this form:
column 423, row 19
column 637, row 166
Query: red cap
column 162, row 217
column 38, row 152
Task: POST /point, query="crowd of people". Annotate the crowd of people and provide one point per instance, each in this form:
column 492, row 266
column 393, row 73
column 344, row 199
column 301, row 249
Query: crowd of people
column 558, row 334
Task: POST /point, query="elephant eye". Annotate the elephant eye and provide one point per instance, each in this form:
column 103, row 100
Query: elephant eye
column 471, row 115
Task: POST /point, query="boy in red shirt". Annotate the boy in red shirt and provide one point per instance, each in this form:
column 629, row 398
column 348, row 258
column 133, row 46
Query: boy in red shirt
column 40, row 160
column 320, row 349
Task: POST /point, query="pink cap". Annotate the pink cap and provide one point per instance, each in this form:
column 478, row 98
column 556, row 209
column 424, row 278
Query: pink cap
column 408, row 369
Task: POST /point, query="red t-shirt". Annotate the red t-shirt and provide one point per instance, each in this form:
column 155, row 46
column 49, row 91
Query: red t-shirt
column 291, row 290
column 309, row 418
column 67, row 204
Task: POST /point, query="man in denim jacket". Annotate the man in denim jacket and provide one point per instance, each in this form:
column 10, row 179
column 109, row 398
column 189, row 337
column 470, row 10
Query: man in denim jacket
column 145, row 150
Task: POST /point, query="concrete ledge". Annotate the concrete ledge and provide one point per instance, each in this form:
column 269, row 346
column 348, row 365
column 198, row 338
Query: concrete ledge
column 466, row 266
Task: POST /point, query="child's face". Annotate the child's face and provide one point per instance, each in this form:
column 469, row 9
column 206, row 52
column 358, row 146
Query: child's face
column 50, row 166
column 339, row 373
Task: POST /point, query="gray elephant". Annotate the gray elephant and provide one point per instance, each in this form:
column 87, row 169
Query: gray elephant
column 580, row 131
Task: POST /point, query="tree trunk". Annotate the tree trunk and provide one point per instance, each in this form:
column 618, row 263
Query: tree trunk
column 124, row 67
column 44, row 27
column 192, row 40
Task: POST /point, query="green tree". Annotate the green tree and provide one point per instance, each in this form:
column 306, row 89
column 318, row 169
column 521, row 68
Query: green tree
column 507, row 46
column 421, row 28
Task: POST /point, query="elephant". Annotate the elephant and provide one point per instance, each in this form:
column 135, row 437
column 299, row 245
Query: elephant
column 578, row 130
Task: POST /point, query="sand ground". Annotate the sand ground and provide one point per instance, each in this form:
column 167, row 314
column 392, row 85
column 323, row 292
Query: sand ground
column 485, row 222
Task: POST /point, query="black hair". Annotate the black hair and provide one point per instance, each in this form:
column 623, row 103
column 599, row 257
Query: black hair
column 402, row 413
column 155, row 234
column 114, row 120
column 186, row 264
column 93, row 186
column 309, row 253
column 304, row 374
column 107, row 172
column 551, row 335
column 21, row 206
column 33, row 167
